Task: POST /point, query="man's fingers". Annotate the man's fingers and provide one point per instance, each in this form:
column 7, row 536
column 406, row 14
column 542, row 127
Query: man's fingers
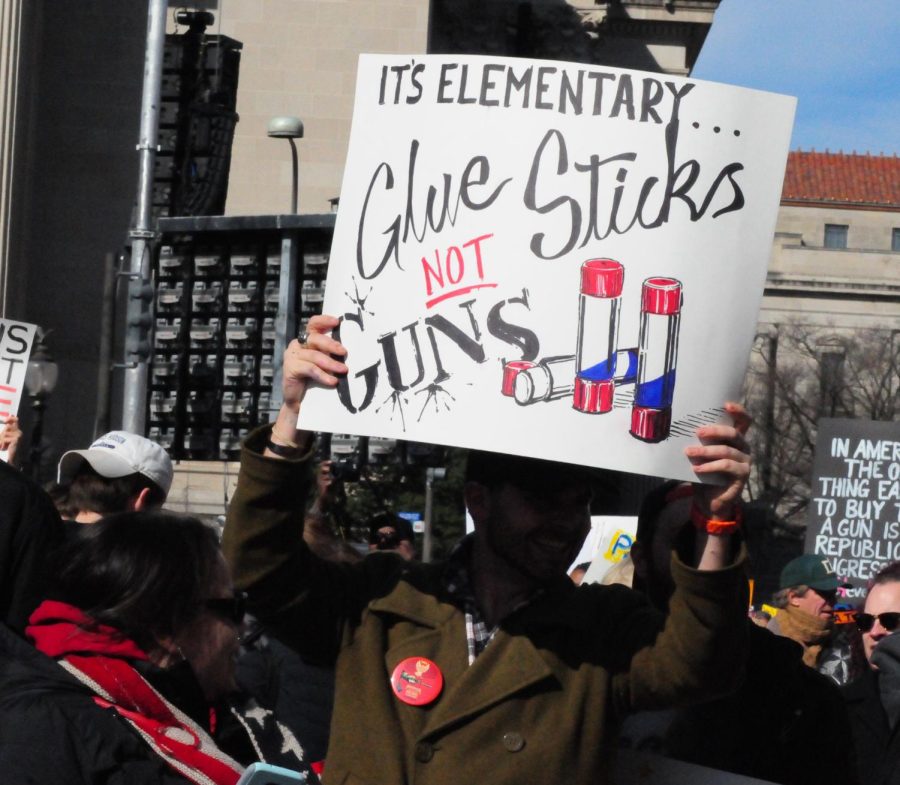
column 317, row 335
column 741, row 419
column 325, row 343
column 298, row 358
column 321, row 372
column 322, row 323
column 714, row 452
column 711, row 435
column 737, row 469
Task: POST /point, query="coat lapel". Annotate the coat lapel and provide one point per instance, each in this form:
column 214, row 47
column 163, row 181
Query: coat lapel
column 509, row 664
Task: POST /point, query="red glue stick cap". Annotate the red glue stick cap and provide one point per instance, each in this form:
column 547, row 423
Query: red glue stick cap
column 510, row 371
column 593, row 396
column 602, row 278
column 650, row 425
column 661, row 295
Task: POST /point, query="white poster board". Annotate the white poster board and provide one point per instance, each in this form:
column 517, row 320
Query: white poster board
column 16, row 339
column 549, row 259
column 608, row 542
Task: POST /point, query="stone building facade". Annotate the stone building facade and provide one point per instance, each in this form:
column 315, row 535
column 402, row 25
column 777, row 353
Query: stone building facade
column 828, row 341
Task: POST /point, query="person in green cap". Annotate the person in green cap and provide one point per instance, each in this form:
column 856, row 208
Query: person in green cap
column 805, row 599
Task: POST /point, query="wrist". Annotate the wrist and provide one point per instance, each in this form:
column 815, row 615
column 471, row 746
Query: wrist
column 285, row 431
column 281, row 445
column 716, row 527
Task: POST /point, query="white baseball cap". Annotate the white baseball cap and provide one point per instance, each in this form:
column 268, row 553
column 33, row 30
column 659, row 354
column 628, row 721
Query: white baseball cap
column 118, row 454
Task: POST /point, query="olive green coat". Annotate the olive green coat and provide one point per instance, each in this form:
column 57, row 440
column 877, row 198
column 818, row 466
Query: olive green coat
column 539, row 705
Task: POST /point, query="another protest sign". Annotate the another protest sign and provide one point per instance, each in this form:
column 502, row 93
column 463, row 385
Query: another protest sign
column 15, row 347
column 608, row 542
column 854, row 511
column 549, row 259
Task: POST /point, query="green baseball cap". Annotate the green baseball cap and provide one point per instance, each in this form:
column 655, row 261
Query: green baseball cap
column 810, row 570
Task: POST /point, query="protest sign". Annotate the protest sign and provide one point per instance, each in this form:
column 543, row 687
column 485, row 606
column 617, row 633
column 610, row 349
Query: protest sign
column 15, row 347
column 854, row 510
column 608, row 542
column 550, row 259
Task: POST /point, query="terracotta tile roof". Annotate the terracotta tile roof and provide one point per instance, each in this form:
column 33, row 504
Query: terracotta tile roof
column 842, row 178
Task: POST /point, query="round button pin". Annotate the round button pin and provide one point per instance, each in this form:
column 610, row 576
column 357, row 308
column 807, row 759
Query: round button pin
column 417, row 681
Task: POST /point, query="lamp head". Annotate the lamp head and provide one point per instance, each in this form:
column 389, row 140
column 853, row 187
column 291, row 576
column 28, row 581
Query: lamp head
column 285, row 128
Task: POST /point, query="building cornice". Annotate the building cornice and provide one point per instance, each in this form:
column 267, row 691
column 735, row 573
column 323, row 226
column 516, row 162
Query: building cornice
column 835, row 203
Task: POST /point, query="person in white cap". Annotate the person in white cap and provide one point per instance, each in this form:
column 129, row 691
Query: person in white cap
column 119, row 472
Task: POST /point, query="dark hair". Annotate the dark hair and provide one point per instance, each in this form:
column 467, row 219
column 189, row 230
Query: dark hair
column 538, row 476
column 401, row 526
column 651, row 508
column 888, row 574
column 59, row 494
column 91, row 492
column 144, row 573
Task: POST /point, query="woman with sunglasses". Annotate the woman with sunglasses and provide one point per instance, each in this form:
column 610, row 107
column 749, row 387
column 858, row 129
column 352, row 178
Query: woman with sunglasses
column 134, row 660
column 873, row 700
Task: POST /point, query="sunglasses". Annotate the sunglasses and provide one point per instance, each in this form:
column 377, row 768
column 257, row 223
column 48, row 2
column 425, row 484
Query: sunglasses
column 231, row 608
column 889, row 620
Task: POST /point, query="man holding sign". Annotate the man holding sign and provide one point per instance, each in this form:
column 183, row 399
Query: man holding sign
column 491, row 665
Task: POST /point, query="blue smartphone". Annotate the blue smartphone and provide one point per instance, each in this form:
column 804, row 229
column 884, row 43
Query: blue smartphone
column 264, row 774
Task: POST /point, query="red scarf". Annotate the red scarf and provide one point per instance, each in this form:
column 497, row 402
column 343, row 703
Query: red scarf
column 100, row 657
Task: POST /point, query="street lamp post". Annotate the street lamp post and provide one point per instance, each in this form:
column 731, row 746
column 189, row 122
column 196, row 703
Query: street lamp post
column 431, row 474
column 289, row 128
column 40, row 381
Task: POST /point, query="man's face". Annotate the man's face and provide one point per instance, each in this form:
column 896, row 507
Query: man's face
column 538, row 532
column 883, row 598
column 210, row 642
column 816, row 602
column 387, row 538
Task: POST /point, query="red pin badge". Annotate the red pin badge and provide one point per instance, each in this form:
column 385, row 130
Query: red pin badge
column 417, row 681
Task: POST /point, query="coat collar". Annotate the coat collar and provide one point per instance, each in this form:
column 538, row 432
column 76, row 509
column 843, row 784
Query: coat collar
column 417, row 598
column 420, row 597
column 510, row 664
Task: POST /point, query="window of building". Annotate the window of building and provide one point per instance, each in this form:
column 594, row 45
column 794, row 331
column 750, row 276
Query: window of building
column 895, row 239
column 835, row 235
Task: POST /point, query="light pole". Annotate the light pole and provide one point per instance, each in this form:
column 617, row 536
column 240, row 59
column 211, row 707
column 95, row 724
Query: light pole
column 289, row 128
column 40, row 381
column 431, row 474
column 139, row 311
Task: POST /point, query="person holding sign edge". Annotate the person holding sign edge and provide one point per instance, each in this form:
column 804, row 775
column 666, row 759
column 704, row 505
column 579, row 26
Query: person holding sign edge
column 492, row 664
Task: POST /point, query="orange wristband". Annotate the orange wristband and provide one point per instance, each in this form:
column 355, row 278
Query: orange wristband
column 709, row 526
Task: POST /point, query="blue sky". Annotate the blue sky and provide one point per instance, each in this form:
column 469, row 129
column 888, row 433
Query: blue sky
column 841, row 58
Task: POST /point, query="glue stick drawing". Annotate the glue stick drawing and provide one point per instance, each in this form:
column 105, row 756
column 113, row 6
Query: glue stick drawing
column 554, row 377
column 651, row 414
column 598, row 333
column 510, row 371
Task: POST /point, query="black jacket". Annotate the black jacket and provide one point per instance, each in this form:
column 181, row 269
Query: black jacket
column 300, row 693
column 52, row 732
column 786, row 723
column 876, row 746
column 30, row 530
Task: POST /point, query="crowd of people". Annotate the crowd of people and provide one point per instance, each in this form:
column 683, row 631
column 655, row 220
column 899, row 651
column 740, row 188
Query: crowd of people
column 136, row 647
